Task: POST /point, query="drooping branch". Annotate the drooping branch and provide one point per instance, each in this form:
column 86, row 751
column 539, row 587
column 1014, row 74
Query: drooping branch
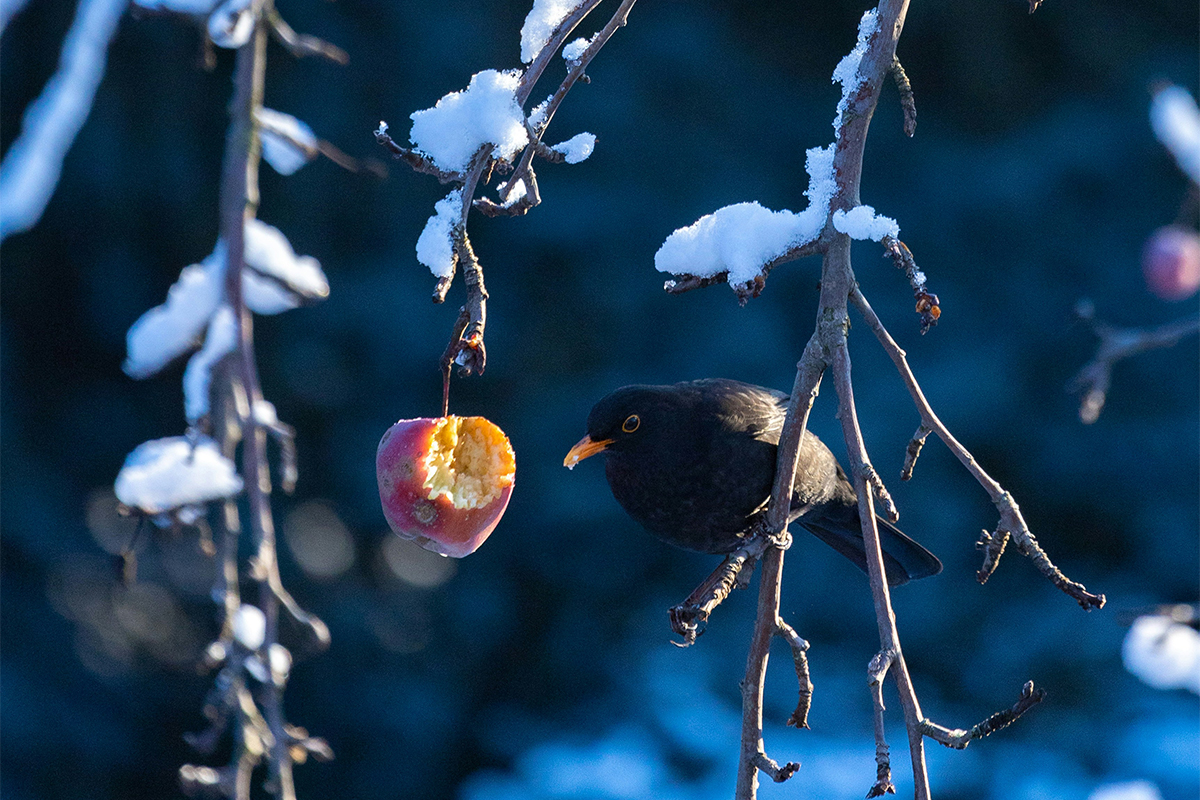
column 1011, row 521
column 517, row 194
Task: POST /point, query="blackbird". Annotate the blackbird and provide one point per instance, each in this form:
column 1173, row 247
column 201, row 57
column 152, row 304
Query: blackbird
column 694, row 464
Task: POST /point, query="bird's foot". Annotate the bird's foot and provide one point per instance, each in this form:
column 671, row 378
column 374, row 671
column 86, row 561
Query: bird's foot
column 688, row 620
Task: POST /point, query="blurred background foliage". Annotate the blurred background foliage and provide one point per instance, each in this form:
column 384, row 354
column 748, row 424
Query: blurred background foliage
column 540, row 665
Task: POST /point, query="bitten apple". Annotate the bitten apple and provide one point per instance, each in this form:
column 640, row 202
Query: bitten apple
column 444, row 482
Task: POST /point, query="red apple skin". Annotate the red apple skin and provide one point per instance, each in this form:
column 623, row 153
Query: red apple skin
column 1171, row 263
column 434, row 524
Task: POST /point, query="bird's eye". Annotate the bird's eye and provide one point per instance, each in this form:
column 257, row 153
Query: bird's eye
column 631, row 423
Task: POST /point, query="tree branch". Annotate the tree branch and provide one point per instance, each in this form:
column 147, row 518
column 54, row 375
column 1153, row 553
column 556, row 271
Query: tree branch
column 1011, row 520
column 1116, row 344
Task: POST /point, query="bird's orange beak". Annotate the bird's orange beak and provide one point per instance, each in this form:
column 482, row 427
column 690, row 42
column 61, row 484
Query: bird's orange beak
column 584, row 448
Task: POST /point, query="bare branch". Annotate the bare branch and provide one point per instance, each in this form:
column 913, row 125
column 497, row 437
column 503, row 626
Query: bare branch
column 300, row 44
column 959, row 739
column 907, row 101
column 913, row 451
column 1010, row 514
column 1116, row 344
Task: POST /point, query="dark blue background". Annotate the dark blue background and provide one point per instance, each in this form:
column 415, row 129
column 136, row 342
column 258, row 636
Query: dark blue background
column 1033, row 181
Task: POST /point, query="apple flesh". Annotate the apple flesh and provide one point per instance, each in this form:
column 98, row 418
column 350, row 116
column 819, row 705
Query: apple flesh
column 445, row 481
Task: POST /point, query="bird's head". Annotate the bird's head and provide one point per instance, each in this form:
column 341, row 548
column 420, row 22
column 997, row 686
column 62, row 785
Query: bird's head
column 629, row 419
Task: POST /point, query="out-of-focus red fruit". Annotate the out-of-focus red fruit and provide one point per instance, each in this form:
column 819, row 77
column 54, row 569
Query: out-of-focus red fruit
column 444, row 482
column 1171, row 263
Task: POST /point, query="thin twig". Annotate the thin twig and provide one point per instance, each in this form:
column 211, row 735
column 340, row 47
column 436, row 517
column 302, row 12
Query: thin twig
column 1116, row 344
column 913, row 451
column 799, row 717
column 300, row 45
column 992, row 545
column 1010, row 514
column 907, row 101
column 877, row 670
column 958, row 738
column 574, row 74
column 418, row 162
column 928, row 307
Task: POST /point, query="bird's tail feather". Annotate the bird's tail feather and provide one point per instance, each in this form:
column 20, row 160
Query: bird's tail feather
column 903, row 558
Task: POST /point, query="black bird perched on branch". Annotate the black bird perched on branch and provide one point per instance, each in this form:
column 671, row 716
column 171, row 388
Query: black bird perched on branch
column 694, row 464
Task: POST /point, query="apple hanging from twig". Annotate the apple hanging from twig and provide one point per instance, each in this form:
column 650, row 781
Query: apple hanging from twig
column 445, row 481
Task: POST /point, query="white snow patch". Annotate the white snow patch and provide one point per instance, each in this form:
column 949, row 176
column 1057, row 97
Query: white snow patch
column 264, row 413
column 1163, row 653
column 287, row 143
column 737, row 239
column 231, row 25
column 268, row 252
column 577, row 148
column 219, row 342
column 486, row 112
column 861, row 222
column 515, row 193
column 1176, row 122
column 741, row 239
column 573, row 50
column 33, row 164
column 250, row 626
column 167, row 474
column 1127, row 790
column 540, row 22
column 275, row 281
column 435, row 246
column 846, row 72
column 280, row 659
column 537, row 117
column 168, row 331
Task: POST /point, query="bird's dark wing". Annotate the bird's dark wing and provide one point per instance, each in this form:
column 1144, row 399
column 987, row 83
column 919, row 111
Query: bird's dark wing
column 744, row 408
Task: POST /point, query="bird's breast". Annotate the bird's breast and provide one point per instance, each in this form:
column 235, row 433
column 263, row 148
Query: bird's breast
column 702, row 500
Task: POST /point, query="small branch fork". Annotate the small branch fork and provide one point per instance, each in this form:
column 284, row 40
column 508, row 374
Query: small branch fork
column 517, row 195
column 827, row 349
column 1116, row 344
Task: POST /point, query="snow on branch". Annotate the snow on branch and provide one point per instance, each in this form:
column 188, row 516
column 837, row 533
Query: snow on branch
column 740, row 244
column 540, row 24
column 1176, row 121
column 435, row 245
column 275, row 281
column 33, row 164
column 846, row 72
column 485, row 113
column 287, row 143
column 165, row 475
column 1164, row 652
